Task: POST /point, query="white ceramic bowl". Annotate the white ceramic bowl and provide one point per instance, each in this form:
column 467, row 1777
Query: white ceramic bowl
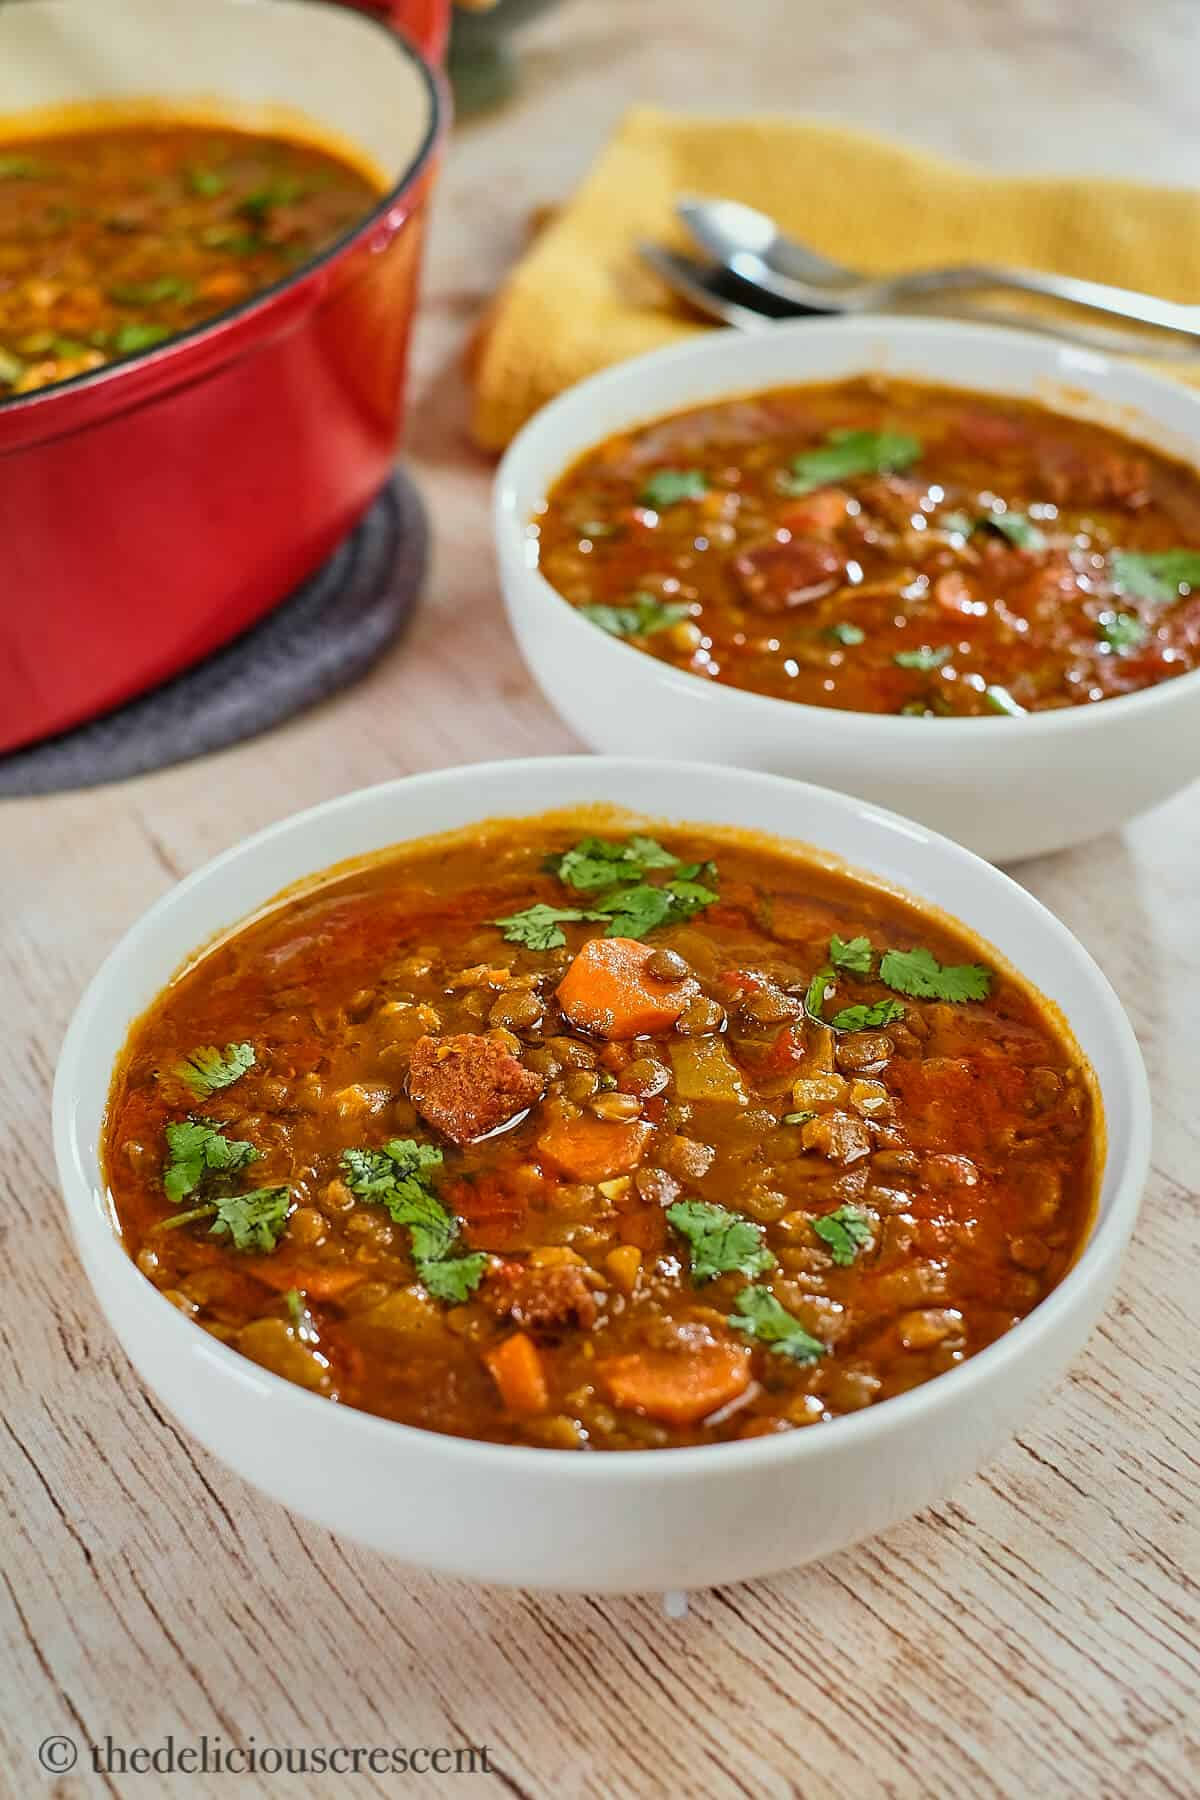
column 1006, row 787
column 660, row 1519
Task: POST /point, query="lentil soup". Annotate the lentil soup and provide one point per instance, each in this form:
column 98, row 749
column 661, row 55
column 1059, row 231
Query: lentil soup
column 564, row 1134
column 114, row 239
column 886, row 546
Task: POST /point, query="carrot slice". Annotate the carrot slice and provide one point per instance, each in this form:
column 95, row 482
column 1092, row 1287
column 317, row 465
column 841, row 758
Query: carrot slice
column 516, row 1368
column 606, row 990
column 318, row 1282
column 680, row 1387
column 590, row 1149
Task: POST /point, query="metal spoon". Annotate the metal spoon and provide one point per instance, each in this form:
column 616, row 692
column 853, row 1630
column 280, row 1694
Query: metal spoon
column 750, row 245
column 718, row 294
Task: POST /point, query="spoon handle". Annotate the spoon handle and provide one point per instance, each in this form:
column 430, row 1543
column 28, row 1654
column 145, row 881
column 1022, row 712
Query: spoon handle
column 1097, row 296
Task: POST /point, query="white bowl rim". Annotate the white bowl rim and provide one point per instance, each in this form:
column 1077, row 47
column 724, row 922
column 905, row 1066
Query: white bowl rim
column 714, row 346
column 79, row 1182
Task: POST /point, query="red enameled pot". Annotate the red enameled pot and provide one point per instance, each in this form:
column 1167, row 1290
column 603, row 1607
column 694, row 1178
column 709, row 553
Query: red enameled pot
column 151, row 511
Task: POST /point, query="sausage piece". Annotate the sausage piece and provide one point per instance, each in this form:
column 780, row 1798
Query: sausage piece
column 545, row 1300
column 778, row 575
column 466, row 1086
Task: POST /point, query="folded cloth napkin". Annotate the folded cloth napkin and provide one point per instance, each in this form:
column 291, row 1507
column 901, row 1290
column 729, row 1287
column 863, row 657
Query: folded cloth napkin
column 580, row 299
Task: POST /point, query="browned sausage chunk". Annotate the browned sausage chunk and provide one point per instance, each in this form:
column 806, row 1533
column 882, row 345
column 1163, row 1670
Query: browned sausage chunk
column 551, row 1299
column 776, row 576
column 466, row 1085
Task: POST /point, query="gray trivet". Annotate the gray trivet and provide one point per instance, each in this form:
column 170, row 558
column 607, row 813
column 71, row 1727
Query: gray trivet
column 325, row 636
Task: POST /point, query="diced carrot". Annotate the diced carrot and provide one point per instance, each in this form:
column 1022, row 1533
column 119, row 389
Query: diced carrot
column 318, row 1282
column 591, row 1149
column 645, row 1227
column 516, row 1368
column 606, row 990
column 679, row 1387
column 818, row 515
column 483, row 1197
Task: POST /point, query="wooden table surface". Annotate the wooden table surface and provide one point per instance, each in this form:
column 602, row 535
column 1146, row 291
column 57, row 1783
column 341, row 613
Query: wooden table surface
column 1035, row 1635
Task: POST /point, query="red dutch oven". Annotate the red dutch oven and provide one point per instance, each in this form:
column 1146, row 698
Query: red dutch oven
column 151, row 511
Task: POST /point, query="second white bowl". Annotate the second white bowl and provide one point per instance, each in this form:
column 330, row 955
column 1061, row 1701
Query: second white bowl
column 1008, row 788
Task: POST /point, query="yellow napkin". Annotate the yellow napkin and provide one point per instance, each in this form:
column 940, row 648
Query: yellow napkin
column 580, row 299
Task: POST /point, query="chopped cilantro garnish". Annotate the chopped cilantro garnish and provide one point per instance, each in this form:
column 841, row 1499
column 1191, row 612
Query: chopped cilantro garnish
column 208, row 1068
column 924, row 659
column 644, row 617
column 599, row 862
column 195, row 1149
column 397, row 1179
column 1019, row 530
column 1121, row 631
column 1156, row 575
column 855, row 954
column 150, row 293
column 668, row 486
column 846, row 632
column 540, row 927
column 848, row 453
column 634, row 911
column 818, row 991
column 254, row 1220
column 844, row 1232
column 867, row 1018
column 206, row 182
column 921, row 976
column 21, row 168
column 1001, row 701
column 279, row 193
column 960, row 523
column 455, row 1278
column 138, row 334
column 722, row 1242
column 759, row 1314
column 797, row 1118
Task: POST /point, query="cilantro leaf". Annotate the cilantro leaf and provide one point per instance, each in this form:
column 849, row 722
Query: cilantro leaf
column 1156, row 575
column 867, row 1018
column 302, row 1319
column 925, row 659
column 845, row 1232
column 255, row 1220
column 207, row 183
column 138, row 334
column 150, row 293
column 598, row 862
column 540, row 927
column 1121, row 631
column 196, row 1148
column 846, row 632
column 257, row 205
column 455, row 1278
column 855, row 954
column 1001, row 701
column 960, row 523
column 818, row 992
column 1014, row 526
column 22, row 168
column 634, row 911
column 759, row 1314
column 848, row 453
column 722, row 1242
column 921, row 976
column 371, row 1173
column 208, row 1068
column 644, row 617
column 396, row 1178
column 669, row 486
